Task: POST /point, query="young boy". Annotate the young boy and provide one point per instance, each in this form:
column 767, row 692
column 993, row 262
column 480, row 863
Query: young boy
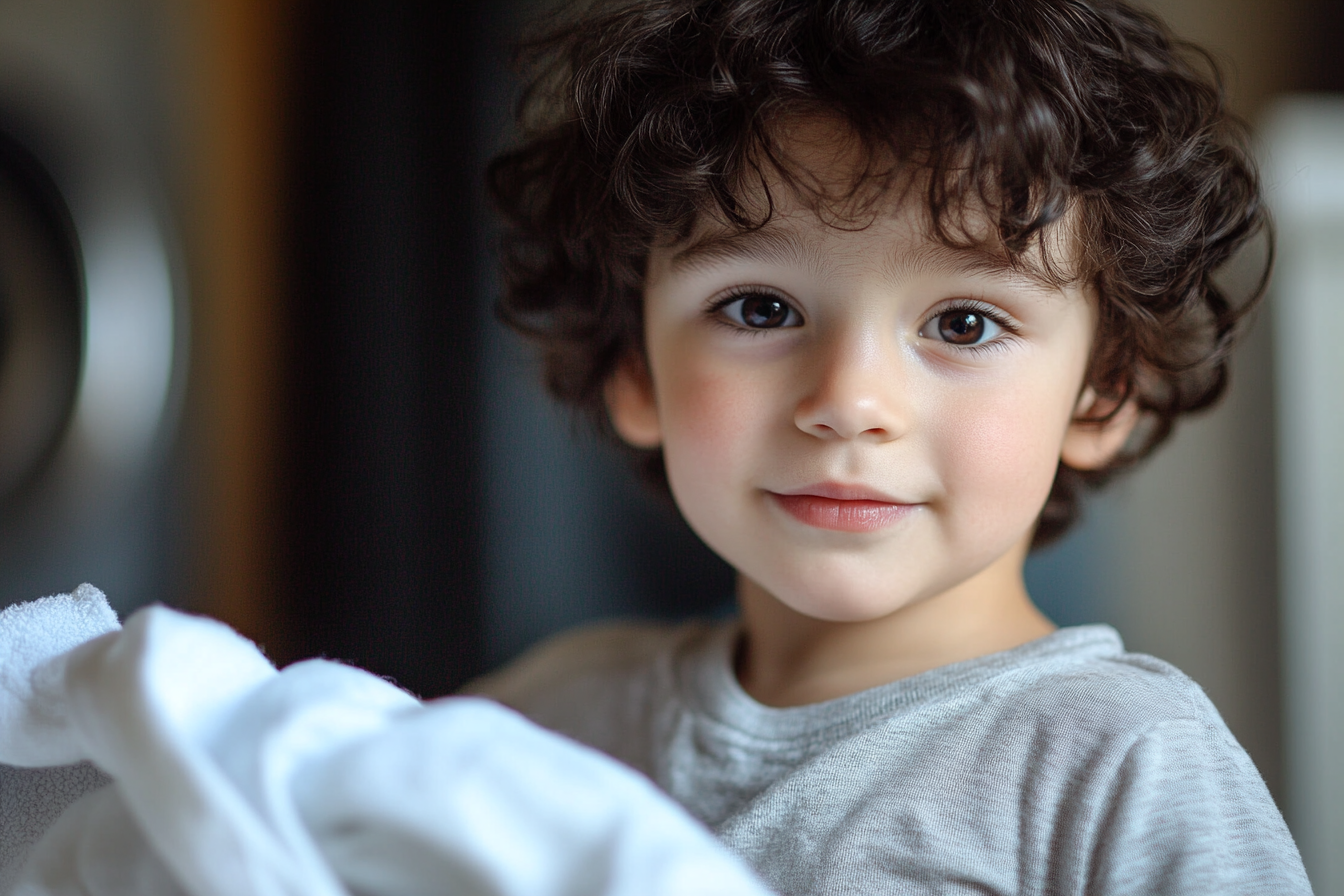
column 875, row 288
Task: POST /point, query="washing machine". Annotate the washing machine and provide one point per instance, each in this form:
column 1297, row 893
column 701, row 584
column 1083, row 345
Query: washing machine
column 92, row 311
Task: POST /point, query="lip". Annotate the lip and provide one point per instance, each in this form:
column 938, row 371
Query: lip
column 842, row 508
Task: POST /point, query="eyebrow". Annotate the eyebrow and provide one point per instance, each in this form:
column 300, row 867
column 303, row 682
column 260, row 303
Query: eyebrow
column 764, row 243
column 786, row 248
column 968, row 260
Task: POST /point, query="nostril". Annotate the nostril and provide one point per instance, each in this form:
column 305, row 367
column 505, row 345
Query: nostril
column 857, row 394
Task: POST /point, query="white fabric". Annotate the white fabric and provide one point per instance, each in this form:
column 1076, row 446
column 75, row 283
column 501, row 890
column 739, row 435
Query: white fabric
column 232, row 778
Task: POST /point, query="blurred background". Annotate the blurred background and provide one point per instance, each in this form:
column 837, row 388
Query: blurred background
column 248, row 367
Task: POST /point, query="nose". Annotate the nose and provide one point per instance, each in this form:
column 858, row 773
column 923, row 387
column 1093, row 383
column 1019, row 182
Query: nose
column 858, row 392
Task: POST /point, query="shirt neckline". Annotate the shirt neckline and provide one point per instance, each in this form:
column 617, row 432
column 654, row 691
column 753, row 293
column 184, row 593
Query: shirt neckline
column 710, row 686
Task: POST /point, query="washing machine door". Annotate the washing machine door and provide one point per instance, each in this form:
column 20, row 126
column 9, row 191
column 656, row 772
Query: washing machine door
column 41, row 319
column 92, row 359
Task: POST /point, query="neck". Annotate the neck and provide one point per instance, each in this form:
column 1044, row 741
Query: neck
column 790, row 659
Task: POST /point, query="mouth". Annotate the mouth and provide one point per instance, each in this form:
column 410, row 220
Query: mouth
column 842, row 508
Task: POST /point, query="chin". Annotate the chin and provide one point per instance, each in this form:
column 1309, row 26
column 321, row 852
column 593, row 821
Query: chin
column 834, row 601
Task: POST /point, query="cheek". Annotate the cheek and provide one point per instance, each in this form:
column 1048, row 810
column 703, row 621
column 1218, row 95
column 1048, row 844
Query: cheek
column 704, row 438
column 718, row 425
column 1000, row 454
column 707, row 411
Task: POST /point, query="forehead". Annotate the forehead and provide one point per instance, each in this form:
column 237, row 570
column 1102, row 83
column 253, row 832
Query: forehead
column 902, row 242
column 821, row 188
column 788, row 242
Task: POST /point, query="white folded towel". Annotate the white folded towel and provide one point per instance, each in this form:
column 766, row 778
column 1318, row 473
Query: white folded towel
column 232, row 778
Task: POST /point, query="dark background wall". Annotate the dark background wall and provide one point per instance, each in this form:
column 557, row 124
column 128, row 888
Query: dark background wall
column 434, row 516
column 379, row 479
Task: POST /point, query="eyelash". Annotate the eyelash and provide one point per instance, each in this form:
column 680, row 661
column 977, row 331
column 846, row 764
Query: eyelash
column 715, row 308
column 1009, row 326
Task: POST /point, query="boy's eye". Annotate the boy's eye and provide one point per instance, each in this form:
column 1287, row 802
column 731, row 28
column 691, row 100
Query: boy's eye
column 760, row 311
column 963, row 326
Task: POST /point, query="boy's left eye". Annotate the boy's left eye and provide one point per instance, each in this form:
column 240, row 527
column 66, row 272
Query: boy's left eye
column 962, row 326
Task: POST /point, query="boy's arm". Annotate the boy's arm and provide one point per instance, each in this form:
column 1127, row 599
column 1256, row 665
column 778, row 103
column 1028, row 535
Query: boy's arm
column 1189, row 814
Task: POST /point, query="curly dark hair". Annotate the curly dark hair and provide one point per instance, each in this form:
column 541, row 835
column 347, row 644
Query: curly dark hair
column 641, row 116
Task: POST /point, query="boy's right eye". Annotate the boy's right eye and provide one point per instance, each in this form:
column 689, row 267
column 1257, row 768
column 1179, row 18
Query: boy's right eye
column 759, row 311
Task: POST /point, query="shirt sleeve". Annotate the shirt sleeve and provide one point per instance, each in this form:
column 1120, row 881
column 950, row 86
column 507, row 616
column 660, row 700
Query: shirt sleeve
column 1189, row 814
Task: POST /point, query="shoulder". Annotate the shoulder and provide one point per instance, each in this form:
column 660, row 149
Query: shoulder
column 1128, row 759
column 1111, row 770
column 1127, row 720
column 1073, row 704
column 610, row 650
column 1115, row 718
column 602, row 684
column 1101, row 692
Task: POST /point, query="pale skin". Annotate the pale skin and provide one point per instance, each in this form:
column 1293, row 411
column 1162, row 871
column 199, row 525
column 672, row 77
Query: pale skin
column 865, row 424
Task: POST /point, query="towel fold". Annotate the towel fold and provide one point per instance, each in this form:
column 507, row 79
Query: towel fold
column 232, row 778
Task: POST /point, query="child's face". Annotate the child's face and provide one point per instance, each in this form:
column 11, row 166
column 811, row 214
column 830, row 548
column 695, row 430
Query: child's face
column 856, row 420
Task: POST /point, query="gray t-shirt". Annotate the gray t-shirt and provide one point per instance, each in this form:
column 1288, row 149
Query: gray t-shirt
column 1062, row 766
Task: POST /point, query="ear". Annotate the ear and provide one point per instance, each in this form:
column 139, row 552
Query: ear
column 1089, row 445
column 631, row 404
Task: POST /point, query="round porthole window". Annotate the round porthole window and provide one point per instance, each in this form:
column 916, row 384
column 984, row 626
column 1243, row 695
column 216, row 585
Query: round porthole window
column 41, row 318
column 93, row 317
